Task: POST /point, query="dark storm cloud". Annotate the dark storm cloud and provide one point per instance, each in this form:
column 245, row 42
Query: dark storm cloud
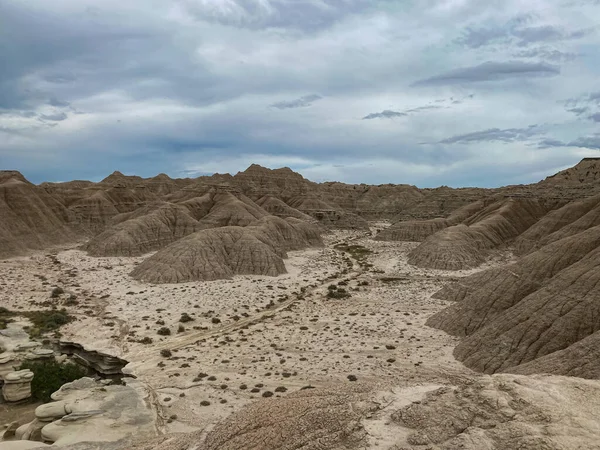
column 491, row 71
column 301, row 102
column 385, row 114
column 495, row 134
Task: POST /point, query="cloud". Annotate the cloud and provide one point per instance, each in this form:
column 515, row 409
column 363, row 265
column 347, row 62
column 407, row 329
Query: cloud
column 491, row 71
column 306, row 15
column 550, row 143
column 57, row 103
column 301, row 102
column 592, row 142
column 595, row 117
column 589, row 142
column 150, row 87
column 54, row 117
column 385, row 114
column 546, row 53
column 495, row 134
column 578, row 111
column 519, row 31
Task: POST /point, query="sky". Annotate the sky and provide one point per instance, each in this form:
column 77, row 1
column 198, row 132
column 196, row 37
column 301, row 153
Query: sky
column 425, row 92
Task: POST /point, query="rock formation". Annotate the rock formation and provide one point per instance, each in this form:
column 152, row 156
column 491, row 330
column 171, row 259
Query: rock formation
column 468, row 244
column 89, row 411
column 17, row 385
column 539, row 313
column 29, row 217
column 223, row 252
column 506, row 412
column 101, row 363
column 307, row 420
column 419, row 230
column 152, row 228
column 278, row 208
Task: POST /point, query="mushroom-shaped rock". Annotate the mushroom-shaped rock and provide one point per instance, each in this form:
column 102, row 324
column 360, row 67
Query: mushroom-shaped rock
column 17, row 385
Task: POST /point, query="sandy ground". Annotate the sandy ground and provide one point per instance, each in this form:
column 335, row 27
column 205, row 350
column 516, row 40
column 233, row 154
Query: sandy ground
column 251, row 335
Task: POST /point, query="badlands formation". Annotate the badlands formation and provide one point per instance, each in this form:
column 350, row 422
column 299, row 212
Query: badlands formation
column 265, row 311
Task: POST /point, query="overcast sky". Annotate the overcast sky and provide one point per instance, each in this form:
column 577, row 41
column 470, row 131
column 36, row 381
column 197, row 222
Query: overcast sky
column 426, row 92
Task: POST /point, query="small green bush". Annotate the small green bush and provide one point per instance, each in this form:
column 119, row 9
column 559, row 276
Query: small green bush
column 49, row 376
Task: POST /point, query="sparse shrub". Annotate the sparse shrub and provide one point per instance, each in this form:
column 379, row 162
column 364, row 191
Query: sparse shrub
column 164, row 331
column 205, row 403
column 185, row 317
column 338, row 294
column 180, row 328
column 57, row 292
column 166, row 353
column 146, row 340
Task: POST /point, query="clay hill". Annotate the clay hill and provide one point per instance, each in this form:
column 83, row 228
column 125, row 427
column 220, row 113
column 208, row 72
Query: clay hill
column 539, row 314
column 129, row 215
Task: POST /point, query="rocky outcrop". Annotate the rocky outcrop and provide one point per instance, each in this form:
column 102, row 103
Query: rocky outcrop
column 8, row 364
column 506, row 412
column 223, row 252
column 89, row 411
column 308, row 420
column 586, row 172
column 99, row 362
column 17, row 385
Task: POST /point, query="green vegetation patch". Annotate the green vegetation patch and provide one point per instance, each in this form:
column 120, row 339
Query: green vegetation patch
column 358, row 252
column 49, row 376
column 42, row 321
